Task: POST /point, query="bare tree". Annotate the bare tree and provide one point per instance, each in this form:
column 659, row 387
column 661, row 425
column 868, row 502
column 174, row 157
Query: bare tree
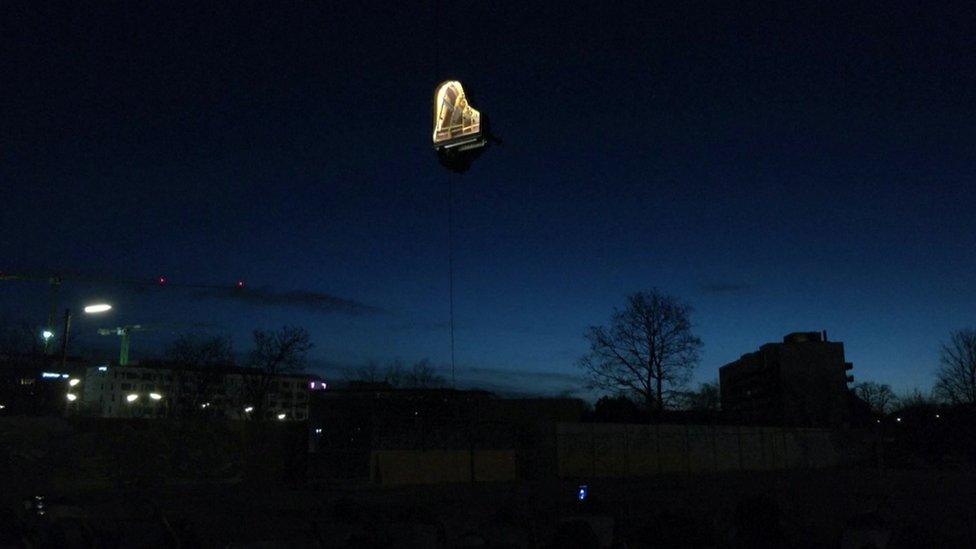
column 396, row 373
column 370, row 372
column 422, row 375
column 878, row 396
column 199, row 367
column 956, row 377
column 648, row 349
column 913, row 399
column 275, row 353
column 705, row 399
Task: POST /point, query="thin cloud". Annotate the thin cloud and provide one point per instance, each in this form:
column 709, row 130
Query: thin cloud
column 265, row 296
column 725, row 287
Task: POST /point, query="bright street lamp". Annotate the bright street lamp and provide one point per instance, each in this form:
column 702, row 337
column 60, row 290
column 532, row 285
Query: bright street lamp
column 155, row 396
column 47, row 335
column 281, row 416
column 89, row 309
column 249, row 409
column 131, row 398
column 73, row 382
column 72, row 397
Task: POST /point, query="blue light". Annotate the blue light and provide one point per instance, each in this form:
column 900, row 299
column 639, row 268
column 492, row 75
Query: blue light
column 584, row 491
column 50, row 374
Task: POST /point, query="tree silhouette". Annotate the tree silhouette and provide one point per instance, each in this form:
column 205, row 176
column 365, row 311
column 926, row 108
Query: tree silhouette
column 199, row 363
column 878, row 396
column 648, row 349
column 706, row 399
column 956, row 377
column 275, row 353
column 422, row 375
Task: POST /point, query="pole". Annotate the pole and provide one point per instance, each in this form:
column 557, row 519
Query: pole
column 450, row 267
column 64, row 338
column 124, row 348
column 55, row 282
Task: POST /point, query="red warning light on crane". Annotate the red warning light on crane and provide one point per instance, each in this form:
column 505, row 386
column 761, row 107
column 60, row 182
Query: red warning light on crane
column 240, row 285
column 161, row 281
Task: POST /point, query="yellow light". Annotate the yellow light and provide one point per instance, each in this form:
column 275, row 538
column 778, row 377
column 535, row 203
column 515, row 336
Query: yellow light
column 72, row 397
column 74, row 382
column 155, row 396
column 131, row 398
column 98, row 308
column 453, row 116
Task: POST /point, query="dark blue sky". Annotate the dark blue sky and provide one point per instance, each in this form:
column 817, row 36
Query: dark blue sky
column 783, row 169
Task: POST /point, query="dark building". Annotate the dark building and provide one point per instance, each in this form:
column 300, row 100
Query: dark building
column 801, row 381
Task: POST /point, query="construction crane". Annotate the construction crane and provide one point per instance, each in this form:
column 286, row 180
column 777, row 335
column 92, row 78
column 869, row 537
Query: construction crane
column 55, row 281
column 124, row 332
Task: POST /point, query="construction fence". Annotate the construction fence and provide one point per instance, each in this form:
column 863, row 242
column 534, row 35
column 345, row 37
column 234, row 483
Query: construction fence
column 626, row 450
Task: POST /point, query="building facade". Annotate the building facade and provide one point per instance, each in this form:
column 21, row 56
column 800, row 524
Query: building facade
column 802, row 381
column 157, row 391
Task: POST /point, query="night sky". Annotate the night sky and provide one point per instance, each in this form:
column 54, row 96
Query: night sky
column 782, row 169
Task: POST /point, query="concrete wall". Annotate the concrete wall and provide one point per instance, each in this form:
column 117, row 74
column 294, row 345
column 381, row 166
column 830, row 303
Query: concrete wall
column 619, row 450
column 398, row 467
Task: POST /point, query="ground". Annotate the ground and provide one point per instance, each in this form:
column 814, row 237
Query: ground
column 812, row 509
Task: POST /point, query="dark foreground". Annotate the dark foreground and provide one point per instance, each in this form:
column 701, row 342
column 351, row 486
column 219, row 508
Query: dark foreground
column 789, row 509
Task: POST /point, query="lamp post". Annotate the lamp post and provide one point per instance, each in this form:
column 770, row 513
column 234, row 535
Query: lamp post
column 89, row 309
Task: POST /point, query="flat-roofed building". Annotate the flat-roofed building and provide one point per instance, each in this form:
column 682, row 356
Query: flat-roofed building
column 161, row 390
column 801, row 381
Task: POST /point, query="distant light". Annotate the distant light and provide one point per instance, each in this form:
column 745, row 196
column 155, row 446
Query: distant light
column 73, row 382
column 240, row 285
column 131, row 398
column 47, row 334
column 937, row 416
column 583, row 491
column 72, row 397
column 161, row 280
column 898, row 419
column 103, row 368
column 155, row 396
column 281, row 416
column 50, row 374
column 877, row 421
column 98, row 308
column 311, row 384
column 2, row 406
column 65, row 376
column 318, row 430
column 249, row 409
column 205, row 405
